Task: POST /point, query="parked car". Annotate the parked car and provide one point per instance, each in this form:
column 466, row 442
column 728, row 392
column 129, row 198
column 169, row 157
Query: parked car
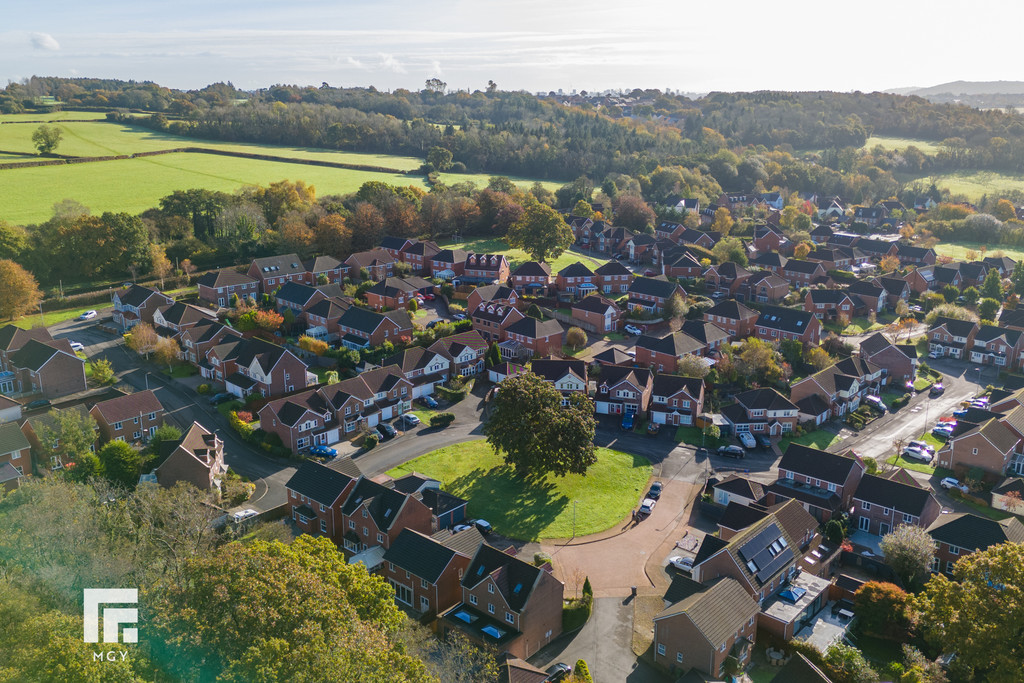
column 681, row 563
column 653, row 427
column 558, row 672
column 430, row 325
column 77, row 347
column 88, row 315
column 934, row 355
column 911, row 453
column 763, row 441
column 876, row 403
column 647, row 506
column 649, row 273
column 429, row 297
column 459, row 316
column 243, row 515
column 410, row 419
column 959, row 413
column 944, row 430
column 386, row 431
column 916, row 309
column 38, row 403
column 632, row 329
column 484, row 526
column 952, row 483
column 747, row 439
column 731, row 451
column 628, row 421
column 936, row 389
column 428, row 401
column 655, row 491
column 921, row 445
column 717, row 295
column 222, row 397
column 323, row 451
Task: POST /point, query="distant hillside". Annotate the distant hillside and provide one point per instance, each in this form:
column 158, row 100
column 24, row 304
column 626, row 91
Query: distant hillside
column 966, row 88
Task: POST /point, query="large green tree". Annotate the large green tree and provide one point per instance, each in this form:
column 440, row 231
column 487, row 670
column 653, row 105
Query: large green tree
column 909, row 551
column 46, row 138
column 541, row 232
column 120, row 463
column 536, row 433
column 70, row 434
column 992, row 286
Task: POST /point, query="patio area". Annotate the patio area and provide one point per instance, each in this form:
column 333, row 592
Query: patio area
column 826, row 628
column 862, row 541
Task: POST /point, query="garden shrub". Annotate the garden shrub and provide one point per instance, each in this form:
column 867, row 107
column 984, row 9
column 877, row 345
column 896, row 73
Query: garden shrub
column 370, row 441
column 203, row 389
column 442, row 419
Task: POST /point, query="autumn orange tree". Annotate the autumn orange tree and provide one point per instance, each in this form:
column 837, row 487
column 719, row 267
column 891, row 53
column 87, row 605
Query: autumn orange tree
column 19, row 292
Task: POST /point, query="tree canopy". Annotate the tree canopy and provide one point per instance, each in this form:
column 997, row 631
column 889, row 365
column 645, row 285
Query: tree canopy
column 541, row 232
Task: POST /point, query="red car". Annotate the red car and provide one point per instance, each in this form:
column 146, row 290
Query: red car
column 429, row 297
column 648, row 273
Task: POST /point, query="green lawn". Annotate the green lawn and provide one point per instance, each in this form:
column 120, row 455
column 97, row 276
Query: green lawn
column 424, row 414
column 901, row 143
column 910, row 465
column 54, row 317
column 539, row 507
column 987, row 511
column 819, row 438
column 975, row 184
column 182, row 370
column 614, row 336
column 52, row 116
column 517, row 256
column 694, row 436
column 958, row 250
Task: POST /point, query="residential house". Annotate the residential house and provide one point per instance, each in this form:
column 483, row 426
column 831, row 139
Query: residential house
column 427, row 571
column 297, row 298
column 830, row 304
column 531, row 337
column 768, row 238
column 568, row 376
column 880, row 505
column 322, row 317
column 761, row 411
column 681, row 263
column 842, row 386
column 196, row 341
column 423, row 367
column 256, row 366
column 612, row 356
column 920, row 279
column 485, row 269
column 507, row 603
column 725, row 278
column 973, row 273
column 38, row 429
column 218, row 286
column 502, row 371
column 491, row 320
column 623, row 390
column 916, row 256
column 10, row 478
column 465, row 351
column 373, row 516
column 131, row 418
column 709, row 334
column 872, row 296
column 701, row 238
column 670, row 231
column 997, row 346
column 950, row 337
column 945, row 275
column 823, row 483
column 12, row 338
column 764, row 288
column 596, row 314
column 613, row 278
column 776, row 324
column 395, row 245
column 737, row 490
column 196, row 458
column 770, row 260
column 393, row 292
column 733, row 317
column 418, row 255
column 1004, row 264
column 273, row 271
column 676, row 400
column 963, row 533
column 448, row 263
column 897, row 361
column 663, row 353
column 360, row 327
column 447, row 511
column 832, row 258
column 532, row 277
column 821, row 233
column 650, row 294
column 771, row 200
column 801, row 273
column 988, row 446
column 15, row 450
column 492, row 294
column 896, row 290
column 871, row 216
column 377, row 263
column 172, row 320
column 710, row 625
column 576, row 279
column 10, row 410
column 641, row 248
column 321, row 270
column 48, row 368
column 136, row 304
column 315, row 494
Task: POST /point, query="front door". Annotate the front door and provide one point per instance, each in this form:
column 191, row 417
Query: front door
column 883, row 529
column 864, row 524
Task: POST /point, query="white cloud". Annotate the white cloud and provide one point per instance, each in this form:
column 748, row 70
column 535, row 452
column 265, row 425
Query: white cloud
column 44, row 41
column 352, row 61
column 435, row 68
column 389, row 62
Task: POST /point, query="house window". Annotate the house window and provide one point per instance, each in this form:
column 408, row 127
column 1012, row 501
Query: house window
column 423, row 584
column 974, row 451
column 364, row 513
column 135, row 420
column 366, row 532
column 865, row 506
column 490, row 588
column 832, row 487
column 679, row 657
column 908, row 519
column 472, row 599
column 661, row 649
column 323, row 526
column 954, row 550
column 151, row 416
column 322, row 508
column 886, row 511
column 391, row 566
column 117, row 427
column 380, row 538
column 490, row 608
column 351, row 524
column 949, row 567
column 510, row 618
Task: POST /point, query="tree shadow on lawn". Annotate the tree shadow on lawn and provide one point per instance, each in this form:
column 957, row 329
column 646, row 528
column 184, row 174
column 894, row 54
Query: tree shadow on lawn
column 518, row 507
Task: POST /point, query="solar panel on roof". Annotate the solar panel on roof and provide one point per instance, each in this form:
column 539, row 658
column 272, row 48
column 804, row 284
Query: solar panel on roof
column 780, row 560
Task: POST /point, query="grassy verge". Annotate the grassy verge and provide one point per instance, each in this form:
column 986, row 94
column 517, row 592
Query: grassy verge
column 424, row 414
column 181, row 370
column 532, row 508
column 54, row 317
column 819, row 438
column 898, row 461
column 922, row 383
column 693, row 436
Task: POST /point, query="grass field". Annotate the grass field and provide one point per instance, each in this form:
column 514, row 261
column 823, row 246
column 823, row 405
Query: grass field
column 819, row 438
column 517, row 256
column 54, row 317
column 537, row 507
column 974, row 184
column 959, row 250
column 53, row 116
column 925, row 146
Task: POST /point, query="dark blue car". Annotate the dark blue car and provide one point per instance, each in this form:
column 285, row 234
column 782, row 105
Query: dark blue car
column 323, row 451
column 628, row 420
column 428, row 402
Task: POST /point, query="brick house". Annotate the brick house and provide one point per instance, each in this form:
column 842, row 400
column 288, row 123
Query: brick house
column 764, row 288
column 253, row 366
column 128, row 418
column 737, row 490
column 532, row 337
column 324, row 270
column 873, row 297
column 426, row 571
column 896, row 290
column 641, row 248
column 273, row 271
column 485, row 268
column 378, row 264
column 532, row 277
column 12, row 338
column 15, row 449
column 597, row 314
column 219, row 286
column 670, row 231
column 1008, row 318
column 663, row 353
column 709, row 334
column 613, row 278
column 829, row 304
column 568, row 376
column 10, row 410
column 832, row 258
column 137, row 304
column 948, row 274
column 963, row 533
column 1004, row 264
column 771, row 261
column 776, row 324
column 897, row 361
column 576, row 279
column 197, row 458
column 823, row 482
column 496, row 294
column 465, row 351
column 916, row 256
column 391, row 293
column 48, row 368
column 711, row 624
column 733, row 317
column 801, row 273
column 676, row 400
column 651, row 293
column 623, row 390
column 761, row 411
column 422, row 367
column 196, row 341
column 880, row 505
column 491, row 320
column 394, row 245
column 418, row 254
column 949, row 337
column 361, row 327
column 841, row 386
column 323, row 316
column 725, row 278
column 997, row 346
column 373, row 516
column 681, row 263
column 701, row 238
column 507, row 603
column 448, row 263
column 297, row 297
column 871, row 216
column 315, row 494
column 768, row 238
column 920, row 279
column 989, row 446
column 173, row 319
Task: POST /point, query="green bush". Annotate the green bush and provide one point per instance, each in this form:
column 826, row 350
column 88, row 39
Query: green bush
column 441, row 419
column 239, row 425
column 576, row 613
column 581, row 672
column 541, row 558
column 451, row 395
column 370, row 441
column 203, row 389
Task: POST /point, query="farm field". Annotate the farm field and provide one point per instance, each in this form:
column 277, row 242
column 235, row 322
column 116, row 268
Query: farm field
column 53, row 116
column 926, row 146
column 975, row 184
column 958, row 250
column 517, row 256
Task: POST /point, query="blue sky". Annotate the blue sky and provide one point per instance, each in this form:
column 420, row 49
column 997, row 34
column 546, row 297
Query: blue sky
column 520, row 44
